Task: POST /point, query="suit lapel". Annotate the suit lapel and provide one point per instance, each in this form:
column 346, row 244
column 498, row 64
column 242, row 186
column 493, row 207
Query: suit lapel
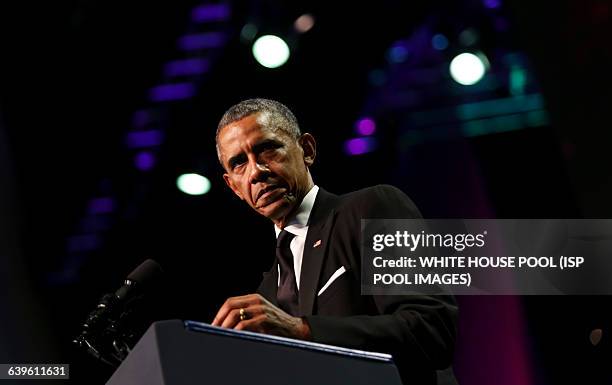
column 319, row 229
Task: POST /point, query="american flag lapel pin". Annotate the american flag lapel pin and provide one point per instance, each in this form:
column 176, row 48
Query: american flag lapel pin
column 317, row 243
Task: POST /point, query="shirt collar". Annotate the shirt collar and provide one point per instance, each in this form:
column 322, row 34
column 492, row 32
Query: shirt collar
column 298, row 223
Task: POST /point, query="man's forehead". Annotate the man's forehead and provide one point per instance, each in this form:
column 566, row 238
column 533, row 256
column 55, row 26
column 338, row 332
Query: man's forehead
column 249, row 130
column 240, row 131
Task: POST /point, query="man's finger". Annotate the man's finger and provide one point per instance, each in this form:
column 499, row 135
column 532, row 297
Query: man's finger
column 233, row 317
column 254, row 324
column 250, row 312
column 254, row 310
column 232, row 303
column 221, row 314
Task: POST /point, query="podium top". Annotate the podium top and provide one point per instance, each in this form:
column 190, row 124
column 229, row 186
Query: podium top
column 202, row 327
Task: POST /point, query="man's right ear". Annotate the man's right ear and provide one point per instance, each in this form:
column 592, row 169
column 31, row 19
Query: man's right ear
column 309, row 147
column 232, row 186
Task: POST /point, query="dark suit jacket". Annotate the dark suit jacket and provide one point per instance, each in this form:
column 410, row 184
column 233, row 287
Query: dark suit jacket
column 418, row 330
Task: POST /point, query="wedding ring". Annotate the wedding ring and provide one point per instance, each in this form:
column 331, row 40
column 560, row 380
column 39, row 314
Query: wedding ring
column 243, row 314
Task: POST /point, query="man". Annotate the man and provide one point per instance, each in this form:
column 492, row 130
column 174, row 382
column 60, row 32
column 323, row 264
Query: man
column 312, row 291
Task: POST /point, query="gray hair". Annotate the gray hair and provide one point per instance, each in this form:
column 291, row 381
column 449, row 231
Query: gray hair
column 280, row 118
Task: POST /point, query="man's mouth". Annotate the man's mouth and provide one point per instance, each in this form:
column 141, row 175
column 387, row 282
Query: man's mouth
column 267, row 194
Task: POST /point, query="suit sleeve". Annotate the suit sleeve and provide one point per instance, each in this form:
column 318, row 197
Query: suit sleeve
column 419, row 329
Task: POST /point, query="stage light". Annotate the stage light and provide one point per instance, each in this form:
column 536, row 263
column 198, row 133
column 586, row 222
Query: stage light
column 193, row 184
column 468, row 37
column 144, row 161
column 397, row 53
column 248, row 32
column 170, row 92
column 467, row 68
column 148, row 138
column 365, row 126
column 101, row 205
column 208, row 13
column 439, row 42
column 358, row 146
column 200, row 41
column 492, row 3
column 271, row 51
column 304, row 23
column 518, row 80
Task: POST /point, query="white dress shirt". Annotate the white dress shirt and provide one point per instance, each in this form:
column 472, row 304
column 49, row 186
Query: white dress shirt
column 298, row 225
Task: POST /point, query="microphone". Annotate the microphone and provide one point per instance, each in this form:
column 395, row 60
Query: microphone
column 142, row 278
column 106, row 333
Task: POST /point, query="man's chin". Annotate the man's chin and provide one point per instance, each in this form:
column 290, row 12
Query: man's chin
column 275, row 210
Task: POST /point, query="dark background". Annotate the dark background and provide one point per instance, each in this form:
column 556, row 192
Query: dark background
column 73, row 73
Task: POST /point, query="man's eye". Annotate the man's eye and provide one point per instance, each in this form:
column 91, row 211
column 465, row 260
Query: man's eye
column 237, row 165
column 271, row 149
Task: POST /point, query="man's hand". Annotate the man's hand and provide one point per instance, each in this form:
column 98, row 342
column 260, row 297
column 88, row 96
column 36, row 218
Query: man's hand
column 261, row 317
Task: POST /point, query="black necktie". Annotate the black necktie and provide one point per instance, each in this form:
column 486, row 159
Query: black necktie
column 287, row 294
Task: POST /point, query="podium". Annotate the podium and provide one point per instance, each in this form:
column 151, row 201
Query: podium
column 178, row 352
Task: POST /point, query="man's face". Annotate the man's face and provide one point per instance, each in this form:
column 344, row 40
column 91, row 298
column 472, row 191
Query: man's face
column 266, row 167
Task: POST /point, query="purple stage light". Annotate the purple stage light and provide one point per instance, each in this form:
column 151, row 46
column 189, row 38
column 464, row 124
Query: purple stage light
column 210, row 12
column 492, row 3
column 150, row 138
column 366, row 126
column 102, row 205
column 201, row 41
column 195, row 66
column 359, row 146
column 144, row 161
column 168, row 92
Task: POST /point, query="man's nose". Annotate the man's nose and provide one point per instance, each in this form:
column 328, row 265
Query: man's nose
column 259, row 172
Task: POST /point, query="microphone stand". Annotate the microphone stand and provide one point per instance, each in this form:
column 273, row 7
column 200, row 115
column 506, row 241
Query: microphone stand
column 107, row 333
